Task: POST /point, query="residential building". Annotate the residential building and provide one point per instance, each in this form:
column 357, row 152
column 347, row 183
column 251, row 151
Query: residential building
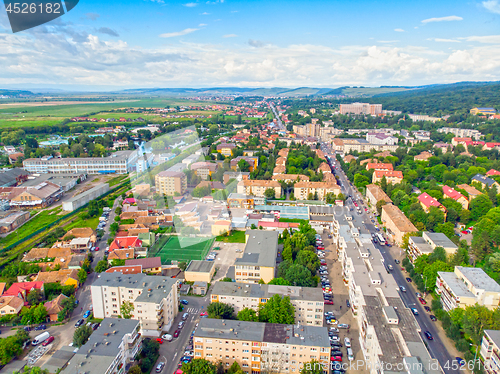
column 377, row 305
column 460, row 140
column 125, row 242
column 324, row 168
column 22, row 289
column 482, row 111
column 220, row 227
column 149, row 265
column 10, row 304
column 473, row 193
column 54, row 307
column 237, row 200
column 455, row 195
column 379, row 166
column 492, row 172
column 427, row 201
column 485, row 181
column 226, row 149
column 490, row 351
column 423, row 156
column 438, row 239
column 10, row 221
column 252, row 161
column 374, row 194
column 259, row 187
column 85, row 197
column 423, row 117
column 261, row 347
column 121, row 162
column 379, row 138
column 154, row 299
column 290, row 178
column 237, row 175
column 392, row 177
column 396, row 223
column 135, row 269
column 32, row 197
column 109, row 349
column 13, row 177
column 121, row 254
column 417, row 246
column 200, row 271
column 302, row 190
column 467, row 286
column 204, row 169
column 171, row 182
column 313, row 129
column 307, row 301
column 361, row 108
column 65, row 277
column 475, row 134
column 259, row 257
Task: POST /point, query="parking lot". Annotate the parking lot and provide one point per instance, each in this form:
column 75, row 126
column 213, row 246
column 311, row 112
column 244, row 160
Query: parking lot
column 226, row 256
column 339, row 309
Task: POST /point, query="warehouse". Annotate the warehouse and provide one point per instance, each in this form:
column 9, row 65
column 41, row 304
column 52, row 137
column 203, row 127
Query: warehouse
column 81, row 199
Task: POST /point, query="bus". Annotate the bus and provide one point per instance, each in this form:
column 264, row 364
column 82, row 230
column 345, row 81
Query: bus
column 381, row 239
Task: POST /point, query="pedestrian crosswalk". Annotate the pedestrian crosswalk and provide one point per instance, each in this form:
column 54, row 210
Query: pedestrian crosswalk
column 192, row 310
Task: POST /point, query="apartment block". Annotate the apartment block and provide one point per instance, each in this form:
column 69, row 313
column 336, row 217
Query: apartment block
column 380, row 138
column 204, row 169
column 259, row 257
column 313, row 129
column 392, row 177
column 170, row 182
column 467, row 286
column 261, row 347
column 109, row 349
column 226, row 149
column 302, row 190
column 490, row 351
column 475, row 134
column 396, row 223
column 388, row 331
column 361, row 108
column 290, row 178
column 154, row 299
column 374, row 194
column 258, row 187
column 120, row 162
column 308, row 301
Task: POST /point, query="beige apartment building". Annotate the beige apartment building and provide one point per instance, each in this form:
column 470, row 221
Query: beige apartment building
column 313, row 129
column 200, row 271
column 259, row 257
column 361, row 108
column 425, row 245
column 258, row 187
column 490, row 351
column 290, row 178
column 374, row 194
column 261, row 347
column 204, row 169
column 154, row 299
column 302, row 190
column 170, row 182
column 396, row 223
column 467, row 286
column 307, row 301
column 391, row 176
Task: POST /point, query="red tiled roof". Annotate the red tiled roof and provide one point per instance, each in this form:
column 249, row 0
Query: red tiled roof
column 389, row 173
column 279, row 225
column 379, row 166
column 125, row 242
column 451, row 193
column 131, row 269
column 23, row 288
column 146, row 263
column 428, row 200
column 493, row 172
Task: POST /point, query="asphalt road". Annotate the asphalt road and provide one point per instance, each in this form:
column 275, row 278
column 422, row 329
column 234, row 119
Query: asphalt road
column 436, row 346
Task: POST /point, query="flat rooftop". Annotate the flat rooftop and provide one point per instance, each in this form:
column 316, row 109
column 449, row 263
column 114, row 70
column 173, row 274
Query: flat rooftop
column 261, row 249
column 479, row 279
column 456, row 285
column 440, row 240
column 267, row 291
column 199, row 266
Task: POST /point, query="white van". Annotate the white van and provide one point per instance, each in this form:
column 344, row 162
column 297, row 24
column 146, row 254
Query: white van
column 40, row 338
column 350, row 355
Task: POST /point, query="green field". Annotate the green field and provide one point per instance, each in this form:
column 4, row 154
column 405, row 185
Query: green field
column 234, row 237
column 185, row 249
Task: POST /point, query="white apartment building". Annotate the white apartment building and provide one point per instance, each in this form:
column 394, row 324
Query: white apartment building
column 121, row 162
column 388, row 331
column 462, row 133
column 259, row 187
column 307, row 301
column 380, row 138
column 467, row 286
column 261, row 347
column 154, row 299
column 361, row 108
column 109, row 349
column 259, row 257
column 490, row 351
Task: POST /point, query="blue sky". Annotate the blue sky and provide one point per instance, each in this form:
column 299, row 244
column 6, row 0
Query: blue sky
column 160, row 43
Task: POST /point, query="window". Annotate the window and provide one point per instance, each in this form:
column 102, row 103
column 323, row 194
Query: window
column 198, row 354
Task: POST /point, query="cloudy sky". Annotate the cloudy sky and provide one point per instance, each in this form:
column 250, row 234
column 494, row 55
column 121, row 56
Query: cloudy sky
column 329, row 43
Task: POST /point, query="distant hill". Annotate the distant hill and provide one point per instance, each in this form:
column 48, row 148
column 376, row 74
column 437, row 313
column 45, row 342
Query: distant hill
column 365, row 91
column 221, row 91
column 15, row 93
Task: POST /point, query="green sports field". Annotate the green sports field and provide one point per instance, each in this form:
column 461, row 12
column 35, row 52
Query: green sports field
column 174, row 248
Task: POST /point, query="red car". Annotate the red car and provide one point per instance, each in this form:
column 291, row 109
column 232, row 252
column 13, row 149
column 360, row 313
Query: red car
column 159, row 340
column 49, row 340
column 422, row 301
column 464, row 232
column 336, row 358
column 203, row 314
column 176, row 333
column 328, row 302
column 96, row 249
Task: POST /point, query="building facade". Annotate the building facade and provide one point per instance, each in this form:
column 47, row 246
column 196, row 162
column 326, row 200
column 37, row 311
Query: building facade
column 259, row 257
column 396, row 223
column 490, row 351
column 302, row 190
column 169, row 182
column 361, row 108
column 259, row 187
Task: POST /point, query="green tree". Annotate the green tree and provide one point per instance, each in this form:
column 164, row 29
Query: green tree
column 270, row 194
column 126, row 309
column 494, row 261
column 39, row 313
column 182, row 265
column 279, row 282
column 235, row 369
column 220, row 311
column 379, row 206
column 243, row 165
column 226, row 279
column 82, row 276
column 446, row 228
column 248, row 314
column 135, row 370
column 101, row 266
column 277, row 310
column 299, row 275
column 81, row 335
column 480, row 206
column 308, row 259
column 35, row 297
column 199, row 366
column 313, row 367
column 32, row 370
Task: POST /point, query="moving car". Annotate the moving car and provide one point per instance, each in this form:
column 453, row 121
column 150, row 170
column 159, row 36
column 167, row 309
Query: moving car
column 414, row 311
column 402, row 288
column 86, row 314
column 79, row 322
column 184, row 302
column 428, row 335
column 160, row 367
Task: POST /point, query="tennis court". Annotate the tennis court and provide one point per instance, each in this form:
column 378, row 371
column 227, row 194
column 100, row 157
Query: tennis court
column 176, row 248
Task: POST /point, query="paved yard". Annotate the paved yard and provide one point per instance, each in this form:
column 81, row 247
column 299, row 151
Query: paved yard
column 226, row 256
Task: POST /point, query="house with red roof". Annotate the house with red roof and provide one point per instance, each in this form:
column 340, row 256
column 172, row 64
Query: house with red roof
column 125, row 242
column 278, row 226
column 427, row 201
column 130, row 269
column 22, row 289
column 489, row 146
column 492, row 172
column 451, row 193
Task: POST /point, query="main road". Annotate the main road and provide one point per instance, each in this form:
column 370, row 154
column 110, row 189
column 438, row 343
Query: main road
column 435, row 346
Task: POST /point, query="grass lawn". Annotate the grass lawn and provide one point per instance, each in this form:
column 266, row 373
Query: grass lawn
column 235, row 237
column 79, row 223
column 117, row 180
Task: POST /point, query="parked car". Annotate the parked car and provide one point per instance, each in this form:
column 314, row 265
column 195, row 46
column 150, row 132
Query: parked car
column 79, row 322
column 408, row 280
column 396, row 261
column 328, row 302
column 48, row 341
column 427, row 309
column 86, row 314
column 184, row 302
column 460, row 360
column 40, row 327
column 422, row 300
column 433, row 317
column 95, row 326
column 27, row 328
column 167, row 337
column 203, row 314
column 336, row 358
column 176, row 333
column 343, row 326
column 160, row 367
column 180, row 325
column 159, row 340
column 347, row 342
column 185, row 316
column 348, row 303
column 428, row 335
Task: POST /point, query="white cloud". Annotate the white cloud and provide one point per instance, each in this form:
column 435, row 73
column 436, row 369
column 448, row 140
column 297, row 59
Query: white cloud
column 205, row 14
column 487, row 39
column 190, row 5
column 202, row 25
column 492, row 5
column 442, row 19
column 439, row 40
column 177, row 33
column 234, row 11
column 230, row 36
column 387, row 41
column 399, row 30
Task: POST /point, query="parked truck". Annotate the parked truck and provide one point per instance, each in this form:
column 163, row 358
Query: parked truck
column 41, row 338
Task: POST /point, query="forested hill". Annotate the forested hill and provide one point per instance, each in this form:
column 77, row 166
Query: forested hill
column 441, row 99
column 15, row 93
